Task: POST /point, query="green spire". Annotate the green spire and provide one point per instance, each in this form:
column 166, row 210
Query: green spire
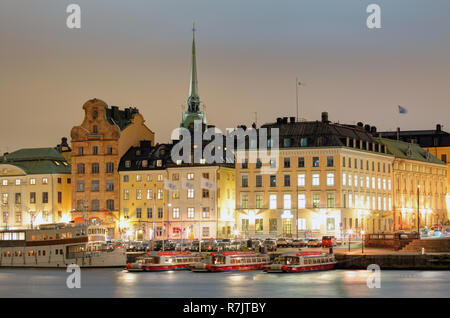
column 193, row 100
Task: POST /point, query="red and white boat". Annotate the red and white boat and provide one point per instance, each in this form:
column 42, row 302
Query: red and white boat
column 231, row 261
column 301, row 262
column 164, row 261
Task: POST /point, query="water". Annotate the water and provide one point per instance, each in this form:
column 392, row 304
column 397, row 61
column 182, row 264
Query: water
column 119, row 283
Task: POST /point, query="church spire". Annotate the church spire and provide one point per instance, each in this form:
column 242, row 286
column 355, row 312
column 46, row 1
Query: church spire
column 193, row 100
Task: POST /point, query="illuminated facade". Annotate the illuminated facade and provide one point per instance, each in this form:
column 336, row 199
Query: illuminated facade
column 419, row 181
column 35, row 188
column 97, row 146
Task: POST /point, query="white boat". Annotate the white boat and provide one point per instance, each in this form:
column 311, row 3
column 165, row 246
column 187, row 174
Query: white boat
column 301, row 262
column 164, row 261
column 59, row 245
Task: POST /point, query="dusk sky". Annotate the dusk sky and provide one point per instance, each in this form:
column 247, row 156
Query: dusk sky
column 249, row 52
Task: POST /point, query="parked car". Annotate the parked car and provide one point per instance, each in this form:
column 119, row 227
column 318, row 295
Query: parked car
column 314, row 243
column 270, row 245
column 223, row 245
column 328, row 241
column 298, row 243
column 282, row 242
column 235, row 245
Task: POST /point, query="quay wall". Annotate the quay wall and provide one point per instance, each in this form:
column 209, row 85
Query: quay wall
column 395, row 261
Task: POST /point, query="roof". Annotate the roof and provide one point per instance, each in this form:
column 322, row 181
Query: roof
column 410, row 151
column 120, row 118
column 38, row 161
column 425, row 138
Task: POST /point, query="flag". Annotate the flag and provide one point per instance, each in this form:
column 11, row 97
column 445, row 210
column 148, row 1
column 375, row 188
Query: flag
column 188, row 184
column 402, row 110
column 206, row 184
column 168, row 185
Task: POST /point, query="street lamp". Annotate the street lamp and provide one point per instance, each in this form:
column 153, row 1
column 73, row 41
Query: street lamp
column 349, row 234
column 362, row 241
column 418, row 215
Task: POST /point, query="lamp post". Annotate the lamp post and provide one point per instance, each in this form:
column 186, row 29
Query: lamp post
column 349, row 234
column 418, row 215
column 362, row 241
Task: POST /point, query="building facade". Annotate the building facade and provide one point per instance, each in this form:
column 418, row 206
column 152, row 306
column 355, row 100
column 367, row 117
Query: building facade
column 35, row 187
column 328, row 179
column 97, row 146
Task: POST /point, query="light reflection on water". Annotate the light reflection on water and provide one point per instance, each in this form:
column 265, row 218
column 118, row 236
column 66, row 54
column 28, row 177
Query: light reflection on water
column 119, row 283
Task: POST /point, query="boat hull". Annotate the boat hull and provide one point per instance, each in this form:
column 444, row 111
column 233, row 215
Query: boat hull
column 299, row 268
column 227, row 268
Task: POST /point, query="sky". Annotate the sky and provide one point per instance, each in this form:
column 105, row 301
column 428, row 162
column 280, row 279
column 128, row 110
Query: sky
column 249, row 53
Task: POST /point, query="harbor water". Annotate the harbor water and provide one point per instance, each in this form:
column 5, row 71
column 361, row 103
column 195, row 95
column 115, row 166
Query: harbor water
column 185, row 284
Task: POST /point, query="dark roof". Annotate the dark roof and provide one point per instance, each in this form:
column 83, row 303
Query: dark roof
column 121, row 118
column 38, row 161
column 425, row 138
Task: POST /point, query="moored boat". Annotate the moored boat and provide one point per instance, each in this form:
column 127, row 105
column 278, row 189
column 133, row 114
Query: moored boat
column 164, row 261
column 301, row 262
column 59, row 245
column 231, row 261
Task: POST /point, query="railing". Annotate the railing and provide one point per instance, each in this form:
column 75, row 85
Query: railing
column 392, row 236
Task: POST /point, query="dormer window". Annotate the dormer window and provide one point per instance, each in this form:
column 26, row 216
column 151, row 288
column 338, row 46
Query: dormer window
column 128, row 163
column 95, row 129
column 179, row 161
column 144, row 163
column 158, row 163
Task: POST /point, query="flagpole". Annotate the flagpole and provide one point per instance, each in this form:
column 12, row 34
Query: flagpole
column 296, row 94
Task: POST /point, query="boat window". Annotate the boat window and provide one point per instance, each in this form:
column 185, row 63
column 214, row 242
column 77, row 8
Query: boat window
column 43, row 253
column 61, row 252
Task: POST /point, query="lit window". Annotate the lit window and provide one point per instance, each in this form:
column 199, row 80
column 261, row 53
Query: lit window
column 190, row 176
column 138, row 177
column 32, row 181
column 301, row 201
column 190, row 213
column 44, row 180
column 273, row 201
column 301, row 180
column 160, row 194
column 287, row 201
column 190, row 193
column 344, row 179
column 176, row 213
column 316, row 179
column 330, row 179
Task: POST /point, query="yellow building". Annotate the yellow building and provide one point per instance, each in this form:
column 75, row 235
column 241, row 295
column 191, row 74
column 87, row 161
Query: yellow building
column 35, row 187
column 98, row 143
column 331, row 178
column 420, row 185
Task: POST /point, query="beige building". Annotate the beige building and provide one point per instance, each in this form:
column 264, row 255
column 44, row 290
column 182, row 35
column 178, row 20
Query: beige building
column 35, row 188
column 97, row 146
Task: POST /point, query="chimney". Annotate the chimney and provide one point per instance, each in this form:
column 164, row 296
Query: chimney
column 285, row 120
column 279, row 120
column 367, row 128
column 292, row 119
column 398, row 133
column 360, row 124
column 325, row 117
column 373, row 130
column 438, row 127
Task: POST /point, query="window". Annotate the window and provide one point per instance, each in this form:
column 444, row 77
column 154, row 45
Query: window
column 258, row 181
column 273, row 163
column 149, row 213
column 95, row 150
column 273, row 181
column 361, row 181
column 190, row 193
column 244, row 201
column 330, row 200
column 32, row 197
column 287, row 180
column 205, row 193
column 95, row 205
column 373, row 183
column 95, row 167
column 138, row 178
column 367, row 182
column 176, row 213
column 160, row 177
column 315, row 223
column 259, row 201
column 244, row 225
column 127, row 164
column 138, row 213
column 18, row 181
column 316, row 162
column 287, row 162
column 258, row 163
column 138, row 194
column 32, row 181
column 80, row 186
column 379, row 183
column 80, row 151
column 190, row 213
column 109, row 185
column 330, row 179
column 18, row 198
column 316, row 200
column 126, row 178
column 286, row 201
column 149, row 194
column 301, row 180
column 384, row 184
column 301, row 162
column 356, row 180
column 303, row 142
column 301, row 224
column 259, row 225
column 344, row 179
column 126, row 194
column 176, row 194
column 316, row 179
column 443, row 158
column 109, row 167
column 244, row 182
column 331, row 224
column 95, row 185
column 160, row 213
column 160, row 194
column 245, row 164
column 44, row 197
column 59, row 197
column 330, row 161
column 273, row 201
column 59, row 181
column 273, row 225
column 389, row 184
column 205, row 213
column 109, row 150
column 80, row 168
column 301, row 201
column 190, row 176
column 343, row 162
